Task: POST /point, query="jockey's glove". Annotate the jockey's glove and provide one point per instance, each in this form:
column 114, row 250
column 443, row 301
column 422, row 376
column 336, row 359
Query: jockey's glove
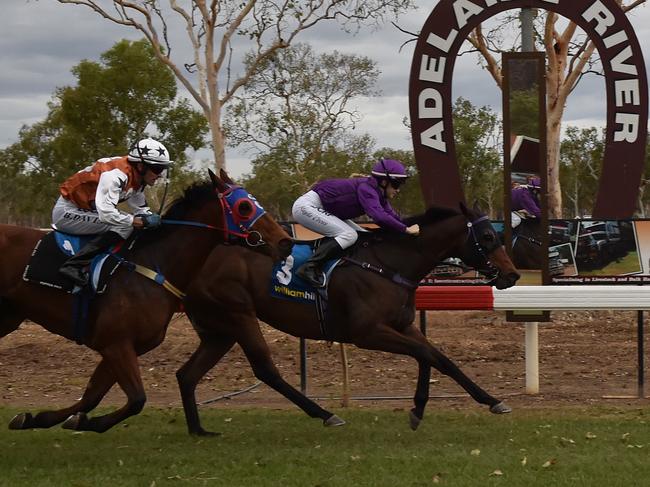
column 151, row 221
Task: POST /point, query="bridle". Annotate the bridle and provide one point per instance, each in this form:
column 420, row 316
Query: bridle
column 487, row 268
column 238, row 223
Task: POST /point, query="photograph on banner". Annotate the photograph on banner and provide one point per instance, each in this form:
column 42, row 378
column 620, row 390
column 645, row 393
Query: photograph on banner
column 453, row 272
column 599, row 251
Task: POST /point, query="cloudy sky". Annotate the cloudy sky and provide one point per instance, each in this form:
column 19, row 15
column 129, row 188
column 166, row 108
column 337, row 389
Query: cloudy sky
column 40, row 42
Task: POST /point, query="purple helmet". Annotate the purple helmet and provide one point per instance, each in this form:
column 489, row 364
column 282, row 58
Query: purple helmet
column 535, row 183
column 390, row 169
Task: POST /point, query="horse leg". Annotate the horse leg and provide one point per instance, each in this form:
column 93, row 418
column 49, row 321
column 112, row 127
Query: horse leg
column 250, row 338
column 100, row 383
column 411, row 342
column 421, row 395
column 10, row 319
column 211, row 349
column 123, row 362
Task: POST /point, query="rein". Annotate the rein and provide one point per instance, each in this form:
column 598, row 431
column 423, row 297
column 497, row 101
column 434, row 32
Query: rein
column 230, row 217
column 252, row 238
column 490, row 272
column 532, row 240
column 388, row 274
column 258, row 241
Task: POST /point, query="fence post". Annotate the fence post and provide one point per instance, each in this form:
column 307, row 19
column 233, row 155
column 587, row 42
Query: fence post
column 532, row 358
column 345, row 400
column 640, row 353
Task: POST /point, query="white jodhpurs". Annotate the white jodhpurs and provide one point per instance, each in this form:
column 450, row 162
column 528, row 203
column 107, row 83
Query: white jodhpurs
column 309, row 212
column 69, row 218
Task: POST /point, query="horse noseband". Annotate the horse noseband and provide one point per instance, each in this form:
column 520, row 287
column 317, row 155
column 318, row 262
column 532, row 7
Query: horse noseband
column 490, row 271
column 256, row 240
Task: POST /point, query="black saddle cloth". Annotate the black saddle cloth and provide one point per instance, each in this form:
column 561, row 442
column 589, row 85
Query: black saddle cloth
column 47, row 257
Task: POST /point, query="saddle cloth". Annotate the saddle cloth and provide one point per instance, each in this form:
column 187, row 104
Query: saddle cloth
column 286, row 285
column 54, row 249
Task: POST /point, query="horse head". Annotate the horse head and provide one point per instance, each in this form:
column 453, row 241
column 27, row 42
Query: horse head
column 246, row 220
column 483, row 250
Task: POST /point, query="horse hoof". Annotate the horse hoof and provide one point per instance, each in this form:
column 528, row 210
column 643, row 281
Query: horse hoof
column 204, row 433
column 333, row 420
column 75, row 422
column 22, row 421
column 414, row 421
column 500, row 408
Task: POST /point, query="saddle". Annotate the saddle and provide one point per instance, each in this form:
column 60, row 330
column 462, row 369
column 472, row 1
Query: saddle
column 54, row 249
column 286, row 285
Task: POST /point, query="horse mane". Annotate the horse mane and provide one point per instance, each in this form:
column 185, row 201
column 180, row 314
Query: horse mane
column 433, row 214
column 193, row 196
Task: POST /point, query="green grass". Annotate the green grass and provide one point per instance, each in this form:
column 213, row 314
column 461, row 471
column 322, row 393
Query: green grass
column 624, row 265
column 590, row 447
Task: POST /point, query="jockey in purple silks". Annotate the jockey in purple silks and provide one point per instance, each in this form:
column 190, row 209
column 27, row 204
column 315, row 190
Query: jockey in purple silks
column 330, row 205
column 524, row 200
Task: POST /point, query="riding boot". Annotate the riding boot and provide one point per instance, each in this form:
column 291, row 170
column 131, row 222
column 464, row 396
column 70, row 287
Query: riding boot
column 312, row 270
column 75, row 267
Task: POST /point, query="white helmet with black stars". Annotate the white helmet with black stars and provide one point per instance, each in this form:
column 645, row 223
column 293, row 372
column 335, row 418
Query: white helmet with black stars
column 149, row 151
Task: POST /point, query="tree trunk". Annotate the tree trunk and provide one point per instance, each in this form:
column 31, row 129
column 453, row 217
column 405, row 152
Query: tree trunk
column 218, row 144
column 553, row 160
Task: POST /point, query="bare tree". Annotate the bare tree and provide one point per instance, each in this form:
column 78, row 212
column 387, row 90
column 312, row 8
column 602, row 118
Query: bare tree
column 569, row 58
column 216, row 28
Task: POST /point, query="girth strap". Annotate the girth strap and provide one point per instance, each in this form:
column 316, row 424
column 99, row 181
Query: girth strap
column 157, row 277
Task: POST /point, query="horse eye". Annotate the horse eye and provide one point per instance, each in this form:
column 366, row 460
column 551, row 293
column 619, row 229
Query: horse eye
column 488, row 236
column 245, row 208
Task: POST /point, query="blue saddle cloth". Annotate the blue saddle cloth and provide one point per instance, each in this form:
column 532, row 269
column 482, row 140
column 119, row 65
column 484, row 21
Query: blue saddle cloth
column 54, row 249
column 286, row 285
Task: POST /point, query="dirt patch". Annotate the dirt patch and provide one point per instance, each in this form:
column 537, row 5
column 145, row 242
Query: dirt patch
column 584, row 357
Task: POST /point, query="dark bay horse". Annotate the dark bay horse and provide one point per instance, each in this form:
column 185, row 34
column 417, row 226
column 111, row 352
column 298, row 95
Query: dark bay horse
column 131, row 318
column 527, row 247
column 364, row 308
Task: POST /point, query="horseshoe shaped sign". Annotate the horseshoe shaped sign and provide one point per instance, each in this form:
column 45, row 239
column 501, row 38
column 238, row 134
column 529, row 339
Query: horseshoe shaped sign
column 430, row 105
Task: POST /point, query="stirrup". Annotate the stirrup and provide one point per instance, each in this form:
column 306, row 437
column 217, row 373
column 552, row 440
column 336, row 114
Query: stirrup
column 310, row 277
column 78, row 276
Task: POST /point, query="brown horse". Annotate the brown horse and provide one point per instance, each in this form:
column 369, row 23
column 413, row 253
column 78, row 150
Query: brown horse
column 131, row 318
column 372, row 310
column 527, row 246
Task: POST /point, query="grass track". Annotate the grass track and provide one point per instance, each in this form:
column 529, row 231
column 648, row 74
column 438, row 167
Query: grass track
column 591, row 447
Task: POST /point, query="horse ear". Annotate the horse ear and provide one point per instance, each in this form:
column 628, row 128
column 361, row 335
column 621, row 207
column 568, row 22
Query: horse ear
column 225, row 177
column 217, row 183
column 463, row 208
column 476, row 207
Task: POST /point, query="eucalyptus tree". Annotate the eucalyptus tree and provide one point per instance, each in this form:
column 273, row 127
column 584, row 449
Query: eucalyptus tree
column 478, row 135
column 129, row 94
column 580, row 164
column 219, row 32
column 569, row 58
column 302, row 104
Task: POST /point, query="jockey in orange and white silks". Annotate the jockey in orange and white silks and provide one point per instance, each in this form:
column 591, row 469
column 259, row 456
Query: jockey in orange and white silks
column 89, row 199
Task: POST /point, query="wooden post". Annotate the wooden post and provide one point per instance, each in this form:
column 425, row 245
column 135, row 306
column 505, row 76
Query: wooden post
column 532, row 358
column 345, row 399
